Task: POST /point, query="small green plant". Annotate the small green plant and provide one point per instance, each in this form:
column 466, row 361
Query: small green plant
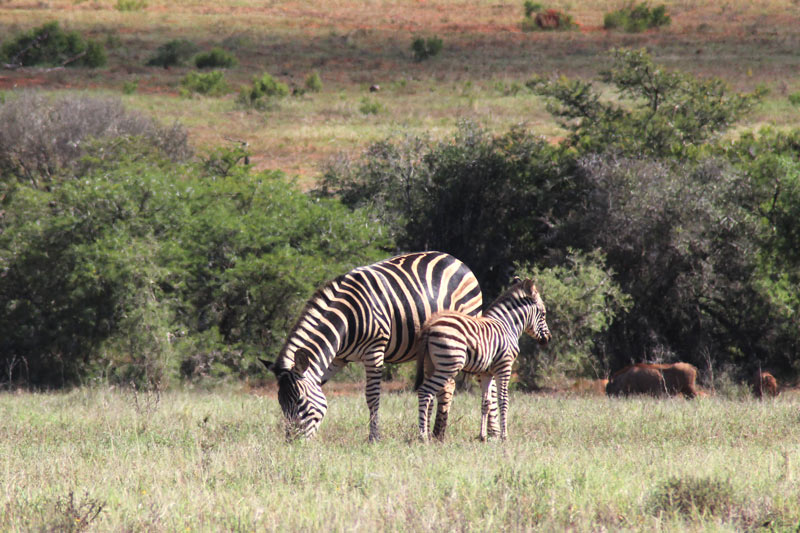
column 794, row 98
column 313, row 82
column 130, row 87
column 49, row 45
column 215, row 58
column 634, row 18
column 208, row 84
column 370, row 107
column 549, row 19
column 423, row 49
column 263, row 92
column 130, row 5
column 173, row 53
column 531, row 8
column 694, row 495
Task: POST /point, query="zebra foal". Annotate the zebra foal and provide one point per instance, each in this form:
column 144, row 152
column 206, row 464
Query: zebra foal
column 484, row 345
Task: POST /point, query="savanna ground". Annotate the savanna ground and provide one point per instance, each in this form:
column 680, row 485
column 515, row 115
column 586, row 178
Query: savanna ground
column 113, row 460
column 479, row 74
column 216, row 460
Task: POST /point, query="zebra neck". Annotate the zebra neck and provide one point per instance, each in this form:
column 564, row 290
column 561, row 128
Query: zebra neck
column 320, row 332
column 511, row 313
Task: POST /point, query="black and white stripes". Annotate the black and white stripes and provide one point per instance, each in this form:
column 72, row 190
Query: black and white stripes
column 487, row 346
column 370, row 314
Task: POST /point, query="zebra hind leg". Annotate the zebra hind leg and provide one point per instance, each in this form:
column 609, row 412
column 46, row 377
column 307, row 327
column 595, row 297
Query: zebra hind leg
column 425, row 396
column 443, row 402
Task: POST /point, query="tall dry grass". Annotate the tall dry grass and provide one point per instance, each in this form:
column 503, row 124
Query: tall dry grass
column 216, row 460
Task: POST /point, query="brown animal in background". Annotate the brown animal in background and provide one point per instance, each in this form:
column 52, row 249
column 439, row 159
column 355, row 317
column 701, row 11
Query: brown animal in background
column 764, row 384
column 656, row 380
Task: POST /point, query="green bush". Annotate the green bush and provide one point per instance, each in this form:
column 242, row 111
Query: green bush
column 173, row 53
column 370, row 107
column 215, row 58
column 423, row 49
column 163, row 272
column 130, row 87
column 582, row 300
column 208, row 84
column 130, row 5
column 313, row 82
column 635, row 18
column 530, row 7
column 264, row 91
column 794, row 98
column 49, row 45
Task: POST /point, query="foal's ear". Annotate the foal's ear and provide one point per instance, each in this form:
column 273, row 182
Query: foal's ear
column 529, row 286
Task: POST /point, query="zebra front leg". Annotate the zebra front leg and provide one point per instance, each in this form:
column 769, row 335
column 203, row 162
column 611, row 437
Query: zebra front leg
column 494, row 424
column 443, row 401
column 373, row 394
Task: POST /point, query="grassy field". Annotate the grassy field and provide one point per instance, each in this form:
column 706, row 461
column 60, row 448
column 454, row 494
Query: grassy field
column 353, row 44
column 110, row 460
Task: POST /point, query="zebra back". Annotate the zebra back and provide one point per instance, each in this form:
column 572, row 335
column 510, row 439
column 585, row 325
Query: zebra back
column 386, row 302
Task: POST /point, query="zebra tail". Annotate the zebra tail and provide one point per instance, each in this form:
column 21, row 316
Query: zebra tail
column 422, row 353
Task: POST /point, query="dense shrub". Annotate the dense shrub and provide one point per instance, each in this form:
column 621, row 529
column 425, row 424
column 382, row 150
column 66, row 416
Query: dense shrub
column 634, row 18
column 173, row 53
column 215, row 58
column 582, row 300
column 51, row 46
column 43, row 137
column 423, row 49
column 264, row 91
column 205, row 83
column 162, row 271
column 488, row 201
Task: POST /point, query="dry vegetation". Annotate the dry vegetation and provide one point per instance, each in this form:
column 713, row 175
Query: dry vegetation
column 108, row 460
column 485, row 60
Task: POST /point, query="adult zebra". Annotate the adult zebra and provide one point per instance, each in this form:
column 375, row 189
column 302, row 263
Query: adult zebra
column 487, row 346
column 370, row 314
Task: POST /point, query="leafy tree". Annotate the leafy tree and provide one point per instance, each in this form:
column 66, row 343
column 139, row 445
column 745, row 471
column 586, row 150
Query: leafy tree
column 488, row 201
column 668, row 113
column 582, row 300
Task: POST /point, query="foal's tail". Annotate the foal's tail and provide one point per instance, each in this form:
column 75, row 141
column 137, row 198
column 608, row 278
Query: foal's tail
column 422, row 353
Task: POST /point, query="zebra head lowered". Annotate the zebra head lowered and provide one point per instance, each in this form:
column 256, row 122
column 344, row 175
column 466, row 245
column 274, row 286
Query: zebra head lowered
column 302, row 401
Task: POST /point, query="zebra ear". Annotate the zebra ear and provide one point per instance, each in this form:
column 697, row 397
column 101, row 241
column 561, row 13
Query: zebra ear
column 529, row 286
column 515, row 279
column 301, row 361
column 270, row 366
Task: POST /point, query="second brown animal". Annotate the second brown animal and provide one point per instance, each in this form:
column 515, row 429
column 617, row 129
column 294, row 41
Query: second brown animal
column 654, row 379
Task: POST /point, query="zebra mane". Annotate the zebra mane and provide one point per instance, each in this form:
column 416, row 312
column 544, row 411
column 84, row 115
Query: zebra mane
column 318, row 295
column 525, row 287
